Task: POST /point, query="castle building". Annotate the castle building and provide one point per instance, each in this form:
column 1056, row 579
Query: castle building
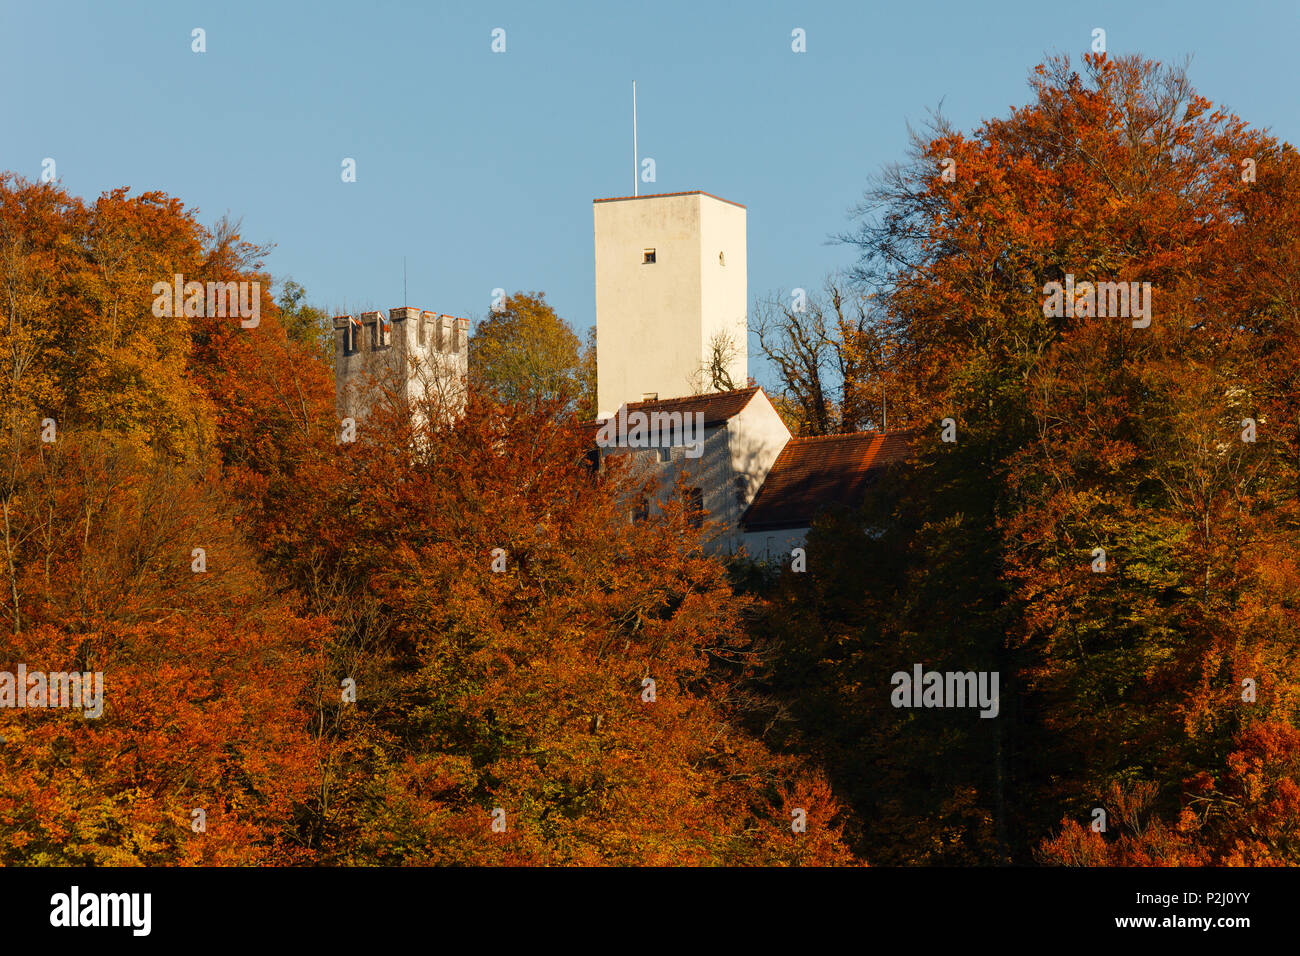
column 409, row 354
column 672, row 376
column 742, row 437
column 672, row 339
column 670, row 288
column 809, row 475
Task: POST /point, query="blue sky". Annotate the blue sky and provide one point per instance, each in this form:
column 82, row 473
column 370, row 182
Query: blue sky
column 480, row 167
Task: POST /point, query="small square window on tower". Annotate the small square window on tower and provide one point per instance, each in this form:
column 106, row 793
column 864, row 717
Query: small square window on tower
column 647, row 256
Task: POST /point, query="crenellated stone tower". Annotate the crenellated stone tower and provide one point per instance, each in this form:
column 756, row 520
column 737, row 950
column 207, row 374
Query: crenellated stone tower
column 416, row 355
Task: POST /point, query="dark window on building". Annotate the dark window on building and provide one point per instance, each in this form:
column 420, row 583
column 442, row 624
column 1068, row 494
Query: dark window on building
column 641, row 510
column 741, row 487
column 647, row 256
column 695, row 507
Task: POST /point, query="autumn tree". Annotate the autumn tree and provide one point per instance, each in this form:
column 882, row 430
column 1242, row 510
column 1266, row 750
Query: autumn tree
column 133, row 569
column 834, row 359
column 124, row 552
column 1100, row 508
column 518, row 645
column 310, row 652
column 586, row 380
column 715, row 372
column 524, row 351
column 305, row 323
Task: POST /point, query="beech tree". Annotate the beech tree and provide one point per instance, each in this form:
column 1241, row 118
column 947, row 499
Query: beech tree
column 202, row 673
column 1113, row 528
column 525, row 647
column 524, row 351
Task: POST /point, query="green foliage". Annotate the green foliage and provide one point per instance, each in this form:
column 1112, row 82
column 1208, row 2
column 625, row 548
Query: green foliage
column 527, row 353
column 306, row 324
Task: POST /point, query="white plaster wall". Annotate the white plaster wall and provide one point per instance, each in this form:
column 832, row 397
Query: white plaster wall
column 710, row 472
column 744, row 446
column 647, row 315
column 724, row 285
column 774, row 546
column 655, row 322
column 755, row 438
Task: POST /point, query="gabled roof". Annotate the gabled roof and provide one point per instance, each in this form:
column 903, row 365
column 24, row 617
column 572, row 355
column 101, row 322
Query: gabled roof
column 716, row 406
column 813, row 473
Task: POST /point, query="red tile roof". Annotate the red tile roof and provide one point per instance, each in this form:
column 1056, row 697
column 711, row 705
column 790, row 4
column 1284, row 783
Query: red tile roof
column 691, row 192
column 813, row 473
column 716, row 406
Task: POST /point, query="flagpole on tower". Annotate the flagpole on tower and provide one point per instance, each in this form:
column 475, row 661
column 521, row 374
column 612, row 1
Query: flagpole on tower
column 636, row 180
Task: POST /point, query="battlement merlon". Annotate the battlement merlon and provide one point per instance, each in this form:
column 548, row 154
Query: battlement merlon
column 448, row 333
column 430, row 331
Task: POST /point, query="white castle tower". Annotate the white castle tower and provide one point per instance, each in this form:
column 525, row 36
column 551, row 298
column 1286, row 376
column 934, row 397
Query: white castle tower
column 417, row 355
column 670, row 287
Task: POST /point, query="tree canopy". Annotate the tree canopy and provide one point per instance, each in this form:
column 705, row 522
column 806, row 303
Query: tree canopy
column 1113, row 529
column 524, row 351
